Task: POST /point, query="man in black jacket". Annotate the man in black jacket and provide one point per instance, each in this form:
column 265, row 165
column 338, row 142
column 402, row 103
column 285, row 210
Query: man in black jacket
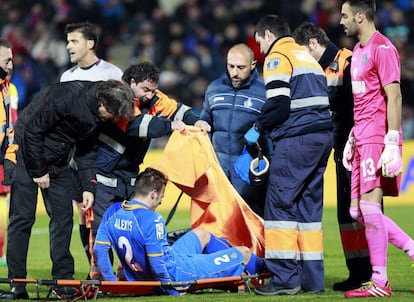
column 63, row 116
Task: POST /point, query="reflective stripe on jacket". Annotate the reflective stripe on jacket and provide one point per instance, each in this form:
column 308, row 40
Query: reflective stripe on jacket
column 292, row 75
column 7, row 115
column 123, row 145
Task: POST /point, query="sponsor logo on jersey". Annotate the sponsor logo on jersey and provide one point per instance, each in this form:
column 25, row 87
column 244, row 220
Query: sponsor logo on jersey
column 159, row 228
column 358, row 87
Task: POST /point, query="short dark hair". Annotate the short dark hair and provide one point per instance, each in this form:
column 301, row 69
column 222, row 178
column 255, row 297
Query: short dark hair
column 5, row 43
column 141, row 72
column 117, row 98
column 368, row 7
column 148, row 180
column 88, row 30
column 306, row 31
column 275, row 24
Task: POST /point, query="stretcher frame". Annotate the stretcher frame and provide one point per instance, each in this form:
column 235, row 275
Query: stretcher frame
column 89, row 289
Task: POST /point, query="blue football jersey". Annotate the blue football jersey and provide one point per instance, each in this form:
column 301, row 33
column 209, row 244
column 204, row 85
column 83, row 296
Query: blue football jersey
column 139, row 238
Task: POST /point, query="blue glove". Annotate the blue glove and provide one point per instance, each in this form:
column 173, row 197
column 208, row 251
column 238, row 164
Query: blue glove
column 252, row 136
column 242, row 165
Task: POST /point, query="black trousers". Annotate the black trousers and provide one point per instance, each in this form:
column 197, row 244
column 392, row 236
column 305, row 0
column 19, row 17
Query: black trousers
column 58, row 203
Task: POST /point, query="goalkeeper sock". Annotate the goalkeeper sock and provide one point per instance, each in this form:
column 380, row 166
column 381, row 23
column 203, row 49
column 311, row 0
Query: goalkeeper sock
column 255, row 265
column 216, row 244
column 377, row 239
column 398, row 238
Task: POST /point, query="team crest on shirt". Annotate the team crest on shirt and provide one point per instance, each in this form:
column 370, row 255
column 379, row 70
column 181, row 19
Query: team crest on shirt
column 159, row 229
column 364, row 59
column 248, row 103
column 273, row 64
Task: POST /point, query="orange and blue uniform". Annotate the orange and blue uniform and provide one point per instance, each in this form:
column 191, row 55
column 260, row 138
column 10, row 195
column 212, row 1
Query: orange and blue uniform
column 296, row 114
column 8, row 115
column 123, row 145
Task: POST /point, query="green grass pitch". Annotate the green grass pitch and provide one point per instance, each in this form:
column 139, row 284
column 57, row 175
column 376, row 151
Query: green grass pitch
column 401, row 275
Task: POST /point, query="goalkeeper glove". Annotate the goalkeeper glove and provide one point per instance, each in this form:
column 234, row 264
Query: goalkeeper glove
column 348, row 154
column 390, row 160
column 252, row 136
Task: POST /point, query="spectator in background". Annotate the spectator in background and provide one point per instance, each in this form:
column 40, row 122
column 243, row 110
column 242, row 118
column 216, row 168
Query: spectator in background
column 113, row 14
column 184, row 17
column 231, row 105
column 398, row 29
column 50, row 54
column 26, row 76
column 146, row 48
column 82, row 42
column 210, row 61
column 336, row 64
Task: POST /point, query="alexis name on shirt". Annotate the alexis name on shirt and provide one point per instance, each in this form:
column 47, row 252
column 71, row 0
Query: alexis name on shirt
column 123, row 225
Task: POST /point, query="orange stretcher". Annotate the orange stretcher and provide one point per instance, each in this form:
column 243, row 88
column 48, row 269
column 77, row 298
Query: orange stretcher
column 90, row 289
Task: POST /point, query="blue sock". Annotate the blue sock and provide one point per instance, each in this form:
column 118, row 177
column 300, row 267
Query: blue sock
column 216, row 244
column 255, row 265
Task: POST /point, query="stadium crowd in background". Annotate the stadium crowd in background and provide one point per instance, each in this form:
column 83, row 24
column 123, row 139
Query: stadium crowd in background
column 192, row 50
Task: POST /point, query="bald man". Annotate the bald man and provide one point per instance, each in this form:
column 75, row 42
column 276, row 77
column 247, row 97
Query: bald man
column 231, row 105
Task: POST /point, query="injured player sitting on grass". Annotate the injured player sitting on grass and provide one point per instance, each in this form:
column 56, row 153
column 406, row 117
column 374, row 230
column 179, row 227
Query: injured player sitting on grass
column 138, row 235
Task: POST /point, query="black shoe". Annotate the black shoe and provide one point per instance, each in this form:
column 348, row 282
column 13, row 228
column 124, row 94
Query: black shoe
column 64, row 292
column 269, row 289
column 347, row 284
column 16, row 293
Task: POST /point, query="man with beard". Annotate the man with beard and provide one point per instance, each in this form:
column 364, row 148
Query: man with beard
column 373, row 150
column 231, row 105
